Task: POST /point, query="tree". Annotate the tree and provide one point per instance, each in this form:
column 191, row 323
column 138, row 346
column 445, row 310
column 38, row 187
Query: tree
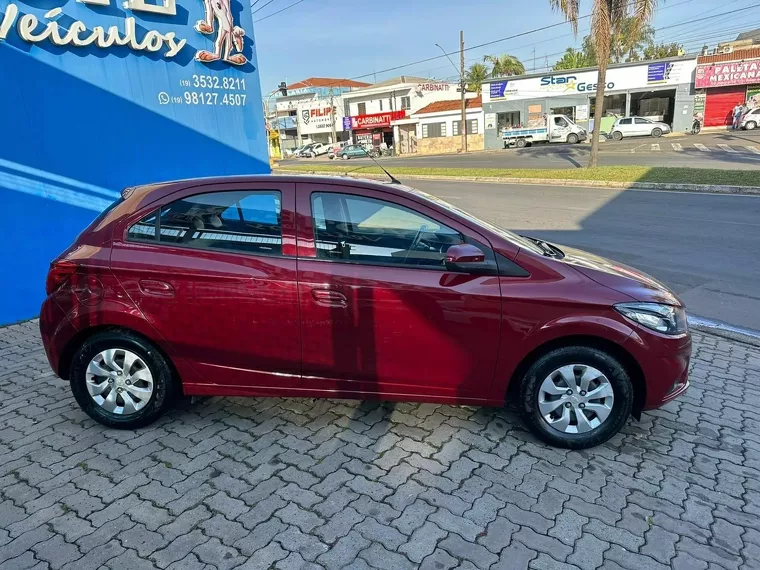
column 504, row 65
column 574, row 59
column 662, row 50
column 475, row 77
column 607, row 17
column 629, row 39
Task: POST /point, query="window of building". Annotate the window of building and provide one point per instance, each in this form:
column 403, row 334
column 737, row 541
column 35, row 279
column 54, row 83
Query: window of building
column 614, row 105
column 362, row 109
column 406, row 103
column 509, row 120
column 433, row 130
column 381, row 104
column 472, row 127
column 244, row 221
column 365, row 230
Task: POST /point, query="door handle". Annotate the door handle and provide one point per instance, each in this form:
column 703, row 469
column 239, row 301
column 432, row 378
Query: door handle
column 329, row 298
column 156, row 288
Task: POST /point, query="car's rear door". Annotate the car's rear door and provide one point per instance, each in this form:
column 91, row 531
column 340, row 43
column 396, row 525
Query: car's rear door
column 380, row 317
column 214, row 271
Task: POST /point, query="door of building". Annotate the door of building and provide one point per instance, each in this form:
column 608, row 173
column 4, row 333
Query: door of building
column 720, row 104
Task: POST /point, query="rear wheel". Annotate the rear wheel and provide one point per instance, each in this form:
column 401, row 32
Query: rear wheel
column 572, row 138
column 656, row 132
column 521, row 143
column 576, row 397
column 617, row 135
column 751, row 125
column 121, row 380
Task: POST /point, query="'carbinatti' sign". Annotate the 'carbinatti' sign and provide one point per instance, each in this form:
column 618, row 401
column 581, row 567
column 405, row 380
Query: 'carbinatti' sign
column 217, row 21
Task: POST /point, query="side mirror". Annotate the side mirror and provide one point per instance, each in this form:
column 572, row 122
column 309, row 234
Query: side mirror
column 464, row 257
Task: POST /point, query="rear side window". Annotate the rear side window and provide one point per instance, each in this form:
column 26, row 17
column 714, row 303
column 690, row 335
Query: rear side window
column 641, row 121
column 364, row 230
column 625, row 121
column 240, row 221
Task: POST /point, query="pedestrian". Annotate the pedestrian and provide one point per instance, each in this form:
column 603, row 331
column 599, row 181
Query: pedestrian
column 738, row 112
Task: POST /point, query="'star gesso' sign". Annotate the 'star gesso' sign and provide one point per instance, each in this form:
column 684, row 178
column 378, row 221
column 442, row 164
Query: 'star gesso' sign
column 99, row 95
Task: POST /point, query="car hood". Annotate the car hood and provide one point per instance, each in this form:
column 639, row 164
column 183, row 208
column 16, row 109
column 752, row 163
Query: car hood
column 620, row 277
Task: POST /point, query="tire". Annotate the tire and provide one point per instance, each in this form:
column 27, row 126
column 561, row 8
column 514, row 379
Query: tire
column 164, row 383
column 750, row 126
column 617, row 135
column 572, row 138
column 616, row 376
column 657, row 132
column 344, row 156
column 521, row 143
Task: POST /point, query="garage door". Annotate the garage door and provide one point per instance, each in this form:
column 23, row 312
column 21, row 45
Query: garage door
column 720, row 104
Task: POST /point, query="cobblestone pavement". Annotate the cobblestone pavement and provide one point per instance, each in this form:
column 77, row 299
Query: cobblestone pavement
column 291, row 484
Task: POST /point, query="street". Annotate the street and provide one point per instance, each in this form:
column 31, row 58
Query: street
column 704, row 246
column 310, row 484
column 740, row 150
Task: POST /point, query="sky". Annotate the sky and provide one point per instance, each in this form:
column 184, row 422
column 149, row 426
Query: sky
column 359, row 39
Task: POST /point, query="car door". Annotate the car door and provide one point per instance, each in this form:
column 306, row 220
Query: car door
column 213, row 269
column 625, row 126
column 380, row 313
column 559, row 129
column 642, row 127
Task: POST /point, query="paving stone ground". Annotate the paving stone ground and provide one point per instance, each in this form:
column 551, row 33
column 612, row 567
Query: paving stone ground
column 309, row 484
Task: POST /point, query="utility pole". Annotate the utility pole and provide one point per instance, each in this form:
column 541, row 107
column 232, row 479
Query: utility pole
column 463, row 91
column 332, row 116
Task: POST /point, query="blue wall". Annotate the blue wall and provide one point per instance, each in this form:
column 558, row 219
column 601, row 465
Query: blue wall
column 78, row 124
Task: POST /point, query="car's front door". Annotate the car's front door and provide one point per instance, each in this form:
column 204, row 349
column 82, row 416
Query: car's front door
column 642, row 126
column 214, row 271
column 380, row 313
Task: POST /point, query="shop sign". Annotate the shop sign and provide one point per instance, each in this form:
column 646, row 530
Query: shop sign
column 376, row 120
column 218, row 22
column 569, row 83
column 433, row 87
column 317, row 117
column 724, row 74
column 581, row 112
column 501, row 90
column 663, row 72
column 699, row 103
column 490, row 120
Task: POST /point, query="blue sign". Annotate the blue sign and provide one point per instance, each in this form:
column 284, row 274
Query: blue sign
column 98, row 95
column 658, row 72
column 498, row 89
column 346, row 123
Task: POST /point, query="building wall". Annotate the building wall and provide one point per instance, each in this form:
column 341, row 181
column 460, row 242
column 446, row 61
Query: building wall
column 417, row 98
column 449, row 143
column 87, row 122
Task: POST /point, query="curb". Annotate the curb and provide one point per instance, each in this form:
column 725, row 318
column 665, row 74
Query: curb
column 703, row 188
column 725, row 330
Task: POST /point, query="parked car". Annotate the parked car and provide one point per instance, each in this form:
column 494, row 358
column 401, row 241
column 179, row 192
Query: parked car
column 315, row 150
column 637, row 127
column 301, row 151
column 293, row 153
column 313, row 287
column 353, row 151
column 335, row 148
column 751, row 119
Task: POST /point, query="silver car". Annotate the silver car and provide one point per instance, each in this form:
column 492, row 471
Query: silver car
column 638, row 127
column 751, row 119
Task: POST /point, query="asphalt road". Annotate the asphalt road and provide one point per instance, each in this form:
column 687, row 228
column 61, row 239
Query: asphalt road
column 740, row 150
column 706, row 247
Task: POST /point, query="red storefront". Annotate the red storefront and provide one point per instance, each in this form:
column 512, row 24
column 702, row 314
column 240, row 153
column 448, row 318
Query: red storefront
column 375, row 128
column 726, row 80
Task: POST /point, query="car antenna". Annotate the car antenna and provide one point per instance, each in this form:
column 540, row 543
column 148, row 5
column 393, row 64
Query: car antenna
column 394, row 180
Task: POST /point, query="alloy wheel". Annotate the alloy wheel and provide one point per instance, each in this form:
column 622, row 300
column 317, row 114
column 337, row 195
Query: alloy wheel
column 119, row 381
column 575, row 398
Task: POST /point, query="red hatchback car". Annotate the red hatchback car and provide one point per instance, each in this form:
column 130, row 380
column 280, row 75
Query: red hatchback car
column 340, row 288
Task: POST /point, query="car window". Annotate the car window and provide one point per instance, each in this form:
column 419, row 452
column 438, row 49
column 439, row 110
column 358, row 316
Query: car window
column 241, row 221
column 625, row 121
column 365, row 230
column 560, row 122
column 640, row 121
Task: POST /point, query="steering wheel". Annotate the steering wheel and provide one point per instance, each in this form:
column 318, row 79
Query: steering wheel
column 415, row 241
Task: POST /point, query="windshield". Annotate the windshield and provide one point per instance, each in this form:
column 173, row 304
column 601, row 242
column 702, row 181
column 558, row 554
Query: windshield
column 506, row 234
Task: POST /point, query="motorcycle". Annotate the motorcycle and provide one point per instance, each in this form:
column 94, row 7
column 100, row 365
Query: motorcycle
column 696, row 126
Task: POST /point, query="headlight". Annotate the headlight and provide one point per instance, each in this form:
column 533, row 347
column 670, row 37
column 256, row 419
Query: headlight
column 665, row 319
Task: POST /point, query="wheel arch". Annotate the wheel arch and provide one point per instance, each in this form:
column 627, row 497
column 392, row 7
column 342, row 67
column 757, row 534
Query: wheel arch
column 621, row 354
column 76, row 341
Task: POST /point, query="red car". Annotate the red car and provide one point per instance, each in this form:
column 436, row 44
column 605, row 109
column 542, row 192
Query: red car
column 339, row 288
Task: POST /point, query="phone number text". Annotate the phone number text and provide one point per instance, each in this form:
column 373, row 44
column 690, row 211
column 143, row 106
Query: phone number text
column 206, row 98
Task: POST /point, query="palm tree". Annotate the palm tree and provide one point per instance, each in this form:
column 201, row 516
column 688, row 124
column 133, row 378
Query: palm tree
column 631, row 37
column 607, row 17
column 475, row 77
column 505, row 65
column 573, row 59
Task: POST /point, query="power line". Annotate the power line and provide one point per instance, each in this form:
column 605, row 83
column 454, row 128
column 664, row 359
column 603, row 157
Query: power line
column 264, row 6
column 279, row 11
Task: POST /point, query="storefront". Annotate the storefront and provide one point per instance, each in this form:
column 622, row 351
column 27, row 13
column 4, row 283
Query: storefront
column 319, row 122
column 725, row 80
column 100, row 95
column 373, row 129
column 661, row 90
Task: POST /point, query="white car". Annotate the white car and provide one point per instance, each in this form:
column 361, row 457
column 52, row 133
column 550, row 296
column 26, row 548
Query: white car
column 751, row 119
column 315, row 150
column 638, row 127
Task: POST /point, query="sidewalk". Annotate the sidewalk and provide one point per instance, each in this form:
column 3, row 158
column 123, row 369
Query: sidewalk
column 311, row 484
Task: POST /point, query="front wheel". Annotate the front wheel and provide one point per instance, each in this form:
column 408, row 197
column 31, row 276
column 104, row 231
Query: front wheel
column 656, row 132
column 576, row 397
column 121, row 380
column 572, row 138
column 617, row 135
column 750, row 126
column 344, row 156
column 521, row 143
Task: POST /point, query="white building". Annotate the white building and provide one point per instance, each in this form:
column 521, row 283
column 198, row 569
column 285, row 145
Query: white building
column 439, row 127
